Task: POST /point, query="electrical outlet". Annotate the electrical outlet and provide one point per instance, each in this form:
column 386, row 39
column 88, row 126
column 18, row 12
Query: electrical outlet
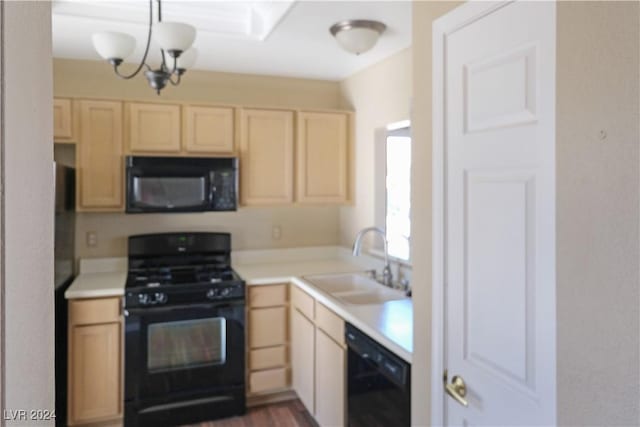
column 92, row 239
column 276, row 232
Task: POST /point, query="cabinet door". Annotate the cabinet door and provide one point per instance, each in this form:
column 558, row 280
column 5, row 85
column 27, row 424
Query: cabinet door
column 95, row 373
column 302, row 358
column 153, row 128
column 62, row 128
column 266, row 157
column 208, row 129
column 100, row 163
column 323, row 157
column 330, row 381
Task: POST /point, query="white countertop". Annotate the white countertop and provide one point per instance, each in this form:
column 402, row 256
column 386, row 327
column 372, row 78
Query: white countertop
column 390, row 323
column 97, row 285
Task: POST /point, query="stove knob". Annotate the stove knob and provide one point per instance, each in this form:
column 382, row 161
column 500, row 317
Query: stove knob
column 161, row 298
column 212, row 293
column 225, row 292
column 143, row 299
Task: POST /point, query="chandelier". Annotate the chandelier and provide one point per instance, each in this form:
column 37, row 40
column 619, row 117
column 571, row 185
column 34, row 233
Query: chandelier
column 174, row 38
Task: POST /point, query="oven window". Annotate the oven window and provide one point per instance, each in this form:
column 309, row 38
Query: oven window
column 169, row 192
column 186, row 344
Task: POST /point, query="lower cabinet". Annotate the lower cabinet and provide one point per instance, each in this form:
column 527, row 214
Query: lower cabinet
column 302, row 358
column 330, row 386
column 267, row 317
column 318, row 359
column 95, row 361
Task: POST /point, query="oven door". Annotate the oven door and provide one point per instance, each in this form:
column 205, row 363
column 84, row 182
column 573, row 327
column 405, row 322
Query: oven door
column 182, row 352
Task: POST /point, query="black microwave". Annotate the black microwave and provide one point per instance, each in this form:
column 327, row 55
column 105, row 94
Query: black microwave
column 181, row 184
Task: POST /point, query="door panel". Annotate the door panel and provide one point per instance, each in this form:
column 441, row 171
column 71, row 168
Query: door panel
column 62, row 129
column 266, row 156
column 208, row 129
column 100, row 163
column 499, row 236
column 501, row 90
column 94, row 377
column 153, row 128
column 330, row 381
column 302, row 359
column 322, row 157
column 499, row 228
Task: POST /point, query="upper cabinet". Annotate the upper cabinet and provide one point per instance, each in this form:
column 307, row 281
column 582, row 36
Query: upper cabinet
column 208, row 129
column 266, row 157
column 99, row 159
column 62, row 120
column 323, row 144
column 153, row 128
column 286, row 156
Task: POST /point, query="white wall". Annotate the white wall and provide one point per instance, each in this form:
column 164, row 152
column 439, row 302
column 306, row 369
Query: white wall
column 251, row 228
column 380, row 94
column 598, row 295
column 27, row 220
column 424, row 13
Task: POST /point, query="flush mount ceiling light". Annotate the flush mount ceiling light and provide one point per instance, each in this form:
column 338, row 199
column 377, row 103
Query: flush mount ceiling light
column 357, row 35
column 174, row 39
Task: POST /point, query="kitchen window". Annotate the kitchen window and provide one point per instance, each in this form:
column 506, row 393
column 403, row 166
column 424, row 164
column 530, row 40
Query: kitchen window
column 393, row 188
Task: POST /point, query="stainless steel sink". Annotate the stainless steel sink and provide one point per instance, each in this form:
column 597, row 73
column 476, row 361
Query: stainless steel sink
column 354, row 288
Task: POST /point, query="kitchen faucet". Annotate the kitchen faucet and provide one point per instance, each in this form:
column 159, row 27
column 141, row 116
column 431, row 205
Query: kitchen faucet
column 387, row 277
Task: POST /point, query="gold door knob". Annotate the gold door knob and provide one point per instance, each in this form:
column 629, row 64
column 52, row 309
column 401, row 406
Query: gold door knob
column 457, row 389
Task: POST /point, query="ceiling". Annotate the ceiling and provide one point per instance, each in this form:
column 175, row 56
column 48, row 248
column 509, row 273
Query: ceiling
column 283, row 38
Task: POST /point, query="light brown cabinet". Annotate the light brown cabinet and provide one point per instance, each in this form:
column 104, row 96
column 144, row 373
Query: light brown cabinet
column 266, row 157
column 268, row 327
column 268, row 368
column 322, row 146
column 208, row 129
column 303, row 358
column 95, row 361
column 153, row 128
column 286, row 156
column 99, row 161
column 330, row 381
column 62, row 120
column 318, row 359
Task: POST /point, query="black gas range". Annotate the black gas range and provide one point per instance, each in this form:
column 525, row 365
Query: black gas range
column 184, row 330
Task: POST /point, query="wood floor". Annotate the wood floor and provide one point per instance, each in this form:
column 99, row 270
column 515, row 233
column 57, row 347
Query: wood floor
column 283, row 414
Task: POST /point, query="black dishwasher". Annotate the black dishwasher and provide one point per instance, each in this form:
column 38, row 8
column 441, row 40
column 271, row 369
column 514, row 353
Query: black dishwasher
column 379, row 384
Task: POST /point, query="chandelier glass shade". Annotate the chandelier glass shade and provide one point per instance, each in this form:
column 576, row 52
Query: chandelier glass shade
column 174, row 38
column 357, row 35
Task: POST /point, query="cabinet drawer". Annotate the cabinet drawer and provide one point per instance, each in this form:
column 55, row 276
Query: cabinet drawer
column 267, row 296
column 302, row 301
column 273, row 379
column 330, row 323
column 266, row 358
column 267, row 327
column 88, row 311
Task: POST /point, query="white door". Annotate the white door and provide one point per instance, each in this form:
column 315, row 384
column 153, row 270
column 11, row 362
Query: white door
column 498, row 210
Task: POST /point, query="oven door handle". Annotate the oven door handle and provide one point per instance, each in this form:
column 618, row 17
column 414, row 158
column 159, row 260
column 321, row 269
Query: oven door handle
column 167, row 309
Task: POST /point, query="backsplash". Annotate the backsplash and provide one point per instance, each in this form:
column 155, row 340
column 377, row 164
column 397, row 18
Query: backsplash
column 251, row 228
